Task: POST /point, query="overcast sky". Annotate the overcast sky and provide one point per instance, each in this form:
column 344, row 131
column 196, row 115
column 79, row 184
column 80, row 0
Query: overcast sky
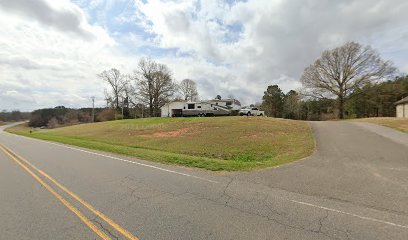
column 51, row 50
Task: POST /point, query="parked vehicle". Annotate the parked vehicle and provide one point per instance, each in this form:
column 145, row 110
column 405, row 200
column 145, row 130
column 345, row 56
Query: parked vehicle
column 204, row 109
column 251, row 111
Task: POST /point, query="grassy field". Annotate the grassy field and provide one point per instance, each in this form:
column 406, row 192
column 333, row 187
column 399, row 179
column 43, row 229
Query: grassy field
column 221, row 143
column 400, row 124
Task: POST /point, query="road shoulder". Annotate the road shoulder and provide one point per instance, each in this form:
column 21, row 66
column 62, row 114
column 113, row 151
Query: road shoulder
column 389, row 133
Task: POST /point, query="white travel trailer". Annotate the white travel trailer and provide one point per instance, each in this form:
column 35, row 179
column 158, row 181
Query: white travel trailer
column 203, row 109
column 213, row 107
column 230, row 103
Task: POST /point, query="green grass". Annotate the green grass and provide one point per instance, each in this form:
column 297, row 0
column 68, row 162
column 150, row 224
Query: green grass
column 2, row 123
column 220, row 143
column 400, row 124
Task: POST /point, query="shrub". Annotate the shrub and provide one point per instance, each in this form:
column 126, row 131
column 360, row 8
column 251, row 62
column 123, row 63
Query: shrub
column 53, row 123
column 107, row 114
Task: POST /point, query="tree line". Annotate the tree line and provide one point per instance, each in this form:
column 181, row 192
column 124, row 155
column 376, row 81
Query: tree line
column 13, row 116
column 348, row 81
column 140, row 94
column 146, row 90
column 62, row 116
column 371, row 100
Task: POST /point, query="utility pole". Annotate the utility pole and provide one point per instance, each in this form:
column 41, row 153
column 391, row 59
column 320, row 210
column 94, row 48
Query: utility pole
column 123, row 104
column 93, row 108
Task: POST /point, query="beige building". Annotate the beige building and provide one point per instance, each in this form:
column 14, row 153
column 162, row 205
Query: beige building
column 402, row 108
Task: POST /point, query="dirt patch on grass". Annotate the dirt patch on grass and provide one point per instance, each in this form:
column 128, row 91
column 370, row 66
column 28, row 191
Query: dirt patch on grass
column 252, row 136
column 176, row 133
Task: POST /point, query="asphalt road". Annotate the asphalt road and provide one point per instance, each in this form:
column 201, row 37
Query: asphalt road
column 354, row 187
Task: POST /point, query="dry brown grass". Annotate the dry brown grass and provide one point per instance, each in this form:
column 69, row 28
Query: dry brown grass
column 400, row 124
column 220, row 143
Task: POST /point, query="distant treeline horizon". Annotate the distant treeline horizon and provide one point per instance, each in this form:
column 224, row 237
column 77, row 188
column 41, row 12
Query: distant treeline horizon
column 370, row 100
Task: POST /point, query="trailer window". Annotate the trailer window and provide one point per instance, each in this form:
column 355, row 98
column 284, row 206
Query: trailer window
column 190, row 106
column 198, row 106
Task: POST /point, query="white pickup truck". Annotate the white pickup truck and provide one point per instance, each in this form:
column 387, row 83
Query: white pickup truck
column 251, row 111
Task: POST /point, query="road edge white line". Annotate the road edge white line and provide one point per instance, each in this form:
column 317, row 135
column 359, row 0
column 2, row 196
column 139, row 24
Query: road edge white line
column 349, row 214
column 208, row 180
column 117, row 158
column 133, row 162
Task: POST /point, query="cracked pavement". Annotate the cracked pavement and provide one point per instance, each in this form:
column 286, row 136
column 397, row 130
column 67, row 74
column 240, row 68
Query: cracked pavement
column 353, row 187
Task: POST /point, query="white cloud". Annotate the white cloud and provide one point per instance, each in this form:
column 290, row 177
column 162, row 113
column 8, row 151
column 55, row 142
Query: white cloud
column 50, row 53
column 45, row 67
column 278, row 39
column 61, row 15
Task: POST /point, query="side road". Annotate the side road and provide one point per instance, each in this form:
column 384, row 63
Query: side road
column 359, row 163
column 353, row 187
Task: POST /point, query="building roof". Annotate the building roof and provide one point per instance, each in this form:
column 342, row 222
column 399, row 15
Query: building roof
column 402, row 101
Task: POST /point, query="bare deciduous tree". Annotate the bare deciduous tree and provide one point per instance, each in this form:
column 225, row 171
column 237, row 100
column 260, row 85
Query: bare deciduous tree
column 164, row 88
column 340, row 71
column 188, row 89
column 231, row 96
column 154, row 85
column 108, row 99
column 117, row 82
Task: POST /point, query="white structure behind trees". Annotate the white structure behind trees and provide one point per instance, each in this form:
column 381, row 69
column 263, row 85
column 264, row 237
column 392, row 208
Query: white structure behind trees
column 402, row 108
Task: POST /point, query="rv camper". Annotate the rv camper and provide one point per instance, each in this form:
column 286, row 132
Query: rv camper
column 204, row 109
column 200, row 108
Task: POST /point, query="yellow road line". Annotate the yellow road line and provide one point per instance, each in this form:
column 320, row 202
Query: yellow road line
column 59, row 197
column 123, row 231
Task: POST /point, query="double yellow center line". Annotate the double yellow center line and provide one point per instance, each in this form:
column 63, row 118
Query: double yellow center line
column 23, row 163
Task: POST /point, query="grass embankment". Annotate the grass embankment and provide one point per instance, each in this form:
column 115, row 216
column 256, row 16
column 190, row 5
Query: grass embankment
column 220, row 143
column 2, row 123
column 400, row 124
